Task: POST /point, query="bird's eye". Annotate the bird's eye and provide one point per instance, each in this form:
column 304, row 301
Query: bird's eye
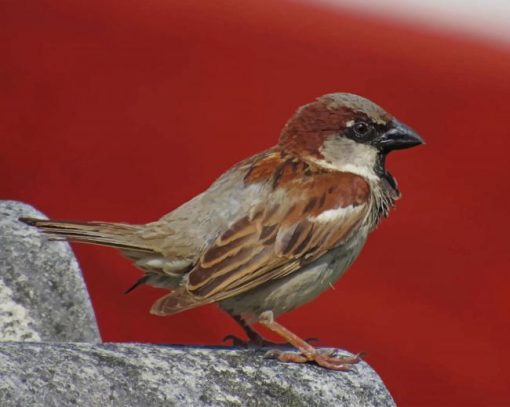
column 361, row 128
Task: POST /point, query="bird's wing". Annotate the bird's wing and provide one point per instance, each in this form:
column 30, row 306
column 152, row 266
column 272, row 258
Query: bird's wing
column 307, row 213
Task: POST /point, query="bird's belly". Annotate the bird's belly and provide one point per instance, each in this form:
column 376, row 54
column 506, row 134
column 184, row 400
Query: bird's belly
column 285, row 294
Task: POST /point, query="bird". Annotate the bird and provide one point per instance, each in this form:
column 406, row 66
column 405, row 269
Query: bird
column 275, row 230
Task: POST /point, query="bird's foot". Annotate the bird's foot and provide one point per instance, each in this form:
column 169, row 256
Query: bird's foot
column 322, row 358
column 307, row 353
column 259, row 342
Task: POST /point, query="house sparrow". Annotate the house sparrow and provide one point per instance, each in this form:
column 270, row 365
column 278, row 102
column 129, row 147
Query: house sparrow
column 275, row 230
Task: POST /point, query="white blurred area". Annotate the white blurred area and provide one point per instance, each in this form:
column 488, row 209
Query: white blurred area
column 486, row 18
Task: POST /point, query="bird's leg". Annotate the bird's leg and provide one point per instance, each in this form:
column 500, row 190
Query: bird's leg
column 307, row 352
column 255, row 339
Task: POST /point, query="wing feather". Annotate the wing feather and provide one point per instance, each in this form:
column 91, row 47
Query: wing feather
column 299, row 222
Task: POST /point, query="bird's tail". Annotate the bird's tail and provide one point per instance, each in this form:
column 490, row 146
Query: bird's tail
column 119, row 235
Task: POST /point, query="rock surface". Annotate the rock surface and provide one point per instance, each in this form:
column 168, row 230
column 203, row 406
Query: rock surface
column 42, row 293
column 42, row 374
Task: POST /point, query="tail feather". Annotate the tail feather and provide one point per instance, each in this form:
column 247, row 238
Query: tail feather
column 119, row 235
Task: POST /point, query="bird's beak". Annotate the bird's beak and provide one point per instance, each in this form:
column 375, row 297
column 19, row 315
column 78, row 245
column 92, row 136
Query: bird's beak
column 397, row 137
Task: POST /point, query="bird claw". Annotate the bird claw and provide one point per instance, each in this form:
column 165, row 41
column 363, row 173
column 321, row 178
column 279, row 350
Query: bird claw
column 288, row 357
column 322, row 358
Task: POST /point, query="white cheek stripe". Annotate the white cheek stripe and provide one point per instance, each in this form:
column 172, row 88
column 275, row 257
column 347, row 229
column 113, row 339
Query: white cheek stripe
column 361, row 170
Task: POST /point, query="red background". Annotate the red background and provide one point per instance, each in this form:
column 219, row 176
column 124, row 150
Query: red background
column 123, row 110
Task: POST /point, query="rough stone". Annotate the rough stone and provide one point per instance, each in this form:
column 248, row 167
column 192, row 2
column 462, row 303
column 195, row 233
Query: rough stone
column 71, row 374
column 42, row 293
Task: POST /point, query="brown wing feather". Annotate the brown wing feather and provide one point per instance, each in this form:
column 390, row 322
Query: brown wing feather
column 277, row 239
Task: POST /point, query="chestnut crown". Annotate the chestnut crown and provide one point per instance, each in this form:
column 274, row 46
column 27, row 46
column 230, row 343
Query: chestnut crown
column 345, row 132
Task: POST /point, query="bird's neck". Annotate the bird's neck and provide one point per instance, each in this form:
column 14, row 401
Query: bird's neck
column 384, row 194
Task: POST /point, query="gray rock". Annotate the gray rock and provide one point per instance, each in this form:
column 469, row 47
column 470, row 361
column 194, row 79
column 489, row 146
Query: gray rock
column 42, row 374
column 42, row 293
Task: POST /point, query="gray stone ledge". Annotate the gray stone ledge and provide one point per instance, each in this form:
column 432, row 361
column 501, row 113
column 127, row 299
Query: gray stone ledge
column 79, row 374
column 42, row 293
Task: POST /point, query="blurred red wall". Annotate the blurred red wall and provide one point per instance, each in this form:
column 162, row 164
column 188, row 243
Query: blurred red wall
column 123, row 110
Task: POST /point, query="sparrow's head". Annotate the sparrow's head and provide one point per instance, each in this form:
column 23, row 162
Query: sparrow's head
column 346, row 132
